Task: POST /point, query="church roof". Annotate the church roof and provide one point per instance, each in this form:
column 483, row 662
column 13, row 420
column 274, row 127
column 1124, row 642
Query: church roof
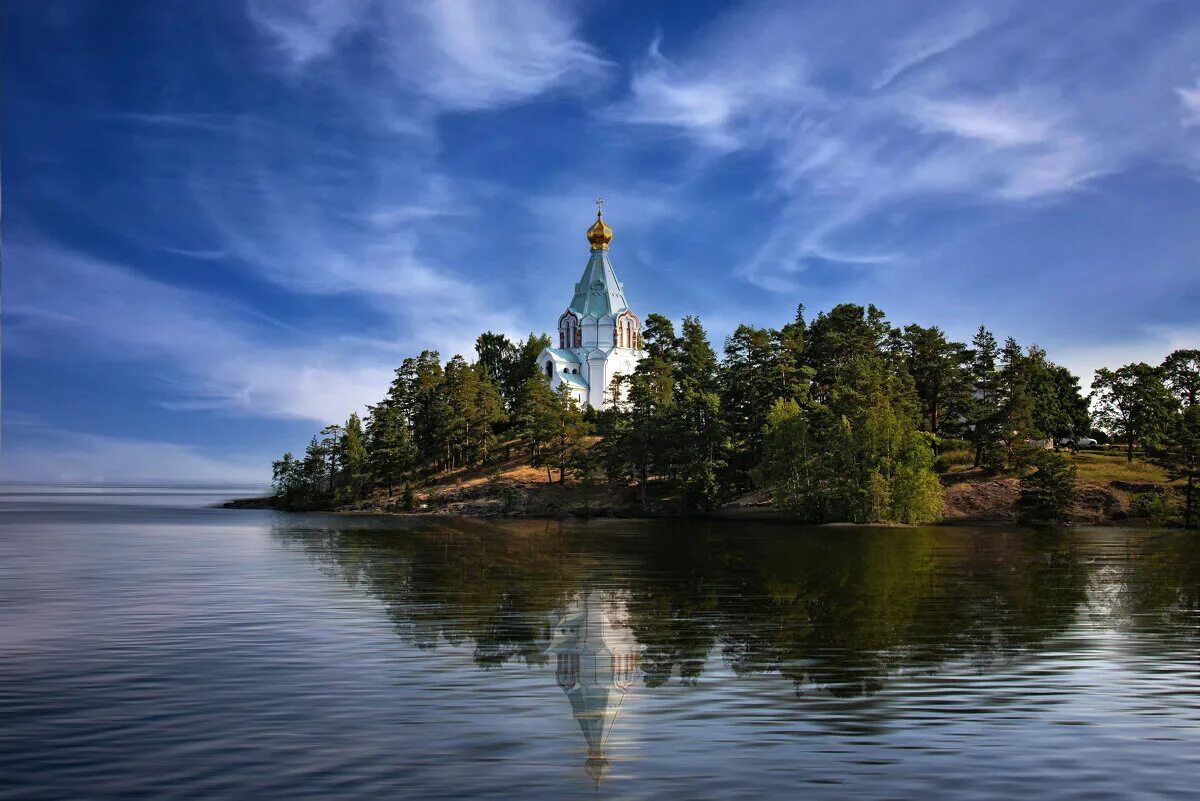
column 563, row 354
column 571, row 378
column 598, row 293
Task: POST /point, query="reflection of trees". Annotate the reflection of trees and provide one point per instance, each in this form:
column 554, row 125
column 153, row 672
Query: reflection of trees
column 841, row 610
column 456, row 582
column 838, row 609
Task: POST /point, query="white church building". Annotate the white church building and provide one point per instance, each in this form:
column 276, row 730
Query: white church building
column 599, row 336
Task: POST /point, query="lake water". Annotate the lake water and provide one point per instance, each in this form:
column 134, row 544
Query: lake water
column 152, row 647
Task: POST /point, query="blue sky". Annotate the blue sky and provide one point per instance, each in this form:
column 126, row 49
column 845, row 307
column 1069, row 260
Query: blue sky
column 226, row 223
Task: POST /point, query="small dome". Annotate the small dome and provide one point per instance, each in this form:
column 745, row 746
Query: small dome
column 599, row 234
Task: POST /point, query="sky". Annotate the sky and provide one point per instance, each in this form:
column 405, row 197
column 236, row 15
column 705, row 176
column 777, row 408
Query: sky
column 225, row 224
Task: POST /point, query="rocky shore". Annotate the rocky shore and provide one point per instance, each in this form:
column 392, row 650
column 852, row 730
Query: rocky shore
column 969, row 498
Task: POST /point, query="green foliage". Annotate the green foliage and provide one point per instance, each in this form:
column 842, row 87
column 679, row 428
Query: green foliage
column 1058, row 407
column 984, row 409
column 1018, row 395
column 287, row 479
column 698, row 428
column 390, row 448
column 761, row 366
column 354, row 457
column 1048, row 492
column 1182, row 372
column 874, row 468
column 536, row 420
column 840, row 418
column 1182, row 459
column 507, row 364
column 1016, row 406
column 1134, row 404
column 937, row 366
column 853, row 451
column 567, row 438
column 1153, row 506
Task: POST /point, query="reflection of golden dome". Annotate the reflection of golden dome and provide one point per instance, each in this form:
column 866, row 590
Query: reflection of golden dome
column 596, row 767
column 599, row 234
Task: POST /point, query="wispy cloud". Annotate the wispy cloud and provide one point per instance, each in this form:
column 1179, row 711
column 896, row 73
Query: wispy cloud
column 1189, row 101
column 208, row 352
column 995, row 121
column 718, row 97
column 305, row 31
column 862, row 118
column 933, row 38
column 458, row 56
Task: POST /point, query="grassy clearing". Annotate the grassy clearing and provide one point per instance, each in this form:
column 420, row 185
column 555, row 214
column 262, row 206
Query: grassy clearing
column 958, row 459
column 1094, row 466
column 1105, row 466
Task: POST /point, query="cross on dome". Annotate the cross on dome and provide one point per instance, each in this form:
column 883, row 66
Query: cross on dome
column 599, row 235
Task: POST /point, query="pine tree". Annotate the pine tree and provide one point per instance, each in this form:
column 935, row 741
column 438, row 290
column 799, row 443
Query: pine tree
column 1016, row 409
column 1048, row 492
column 315, row 473
column 942, row 380
column 537, row 421
column 1182, row 370
column 431, row 411
column 354, row 456
column 460, row 391
column 1059, row 409
column 566, row 445
column 494, row 353
column 644, row 433
column 287, row 479
column 698, row 428
column 489, row 412
column 1183, row 459
column 331, row 441
column 390, row 449
column 984, row 410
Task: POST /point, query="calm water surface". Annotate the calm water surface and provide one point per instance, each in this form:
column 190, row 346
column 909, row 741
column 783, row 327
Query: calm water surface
column 152, row 647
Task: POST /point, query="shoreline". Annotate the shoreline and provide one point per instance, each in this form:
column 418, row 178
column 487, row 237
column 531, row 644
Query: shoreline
column 729, row 515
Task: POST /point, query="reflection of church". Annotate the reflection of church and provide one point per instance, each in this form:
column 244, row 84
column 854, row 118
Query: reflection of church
column 596, row 665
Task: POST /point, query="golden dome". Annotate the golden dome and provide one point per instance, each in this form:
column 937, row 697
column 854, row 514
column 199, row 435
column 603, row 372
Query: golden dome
column 599, row 234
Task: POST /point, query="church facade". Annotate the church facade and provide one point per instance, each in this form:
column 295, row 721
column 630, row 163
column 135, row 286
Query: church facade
column 598, row 336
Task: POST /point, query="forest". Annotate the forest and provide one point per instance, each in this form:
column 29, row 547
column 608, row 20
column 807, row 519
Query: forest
column 844, row 418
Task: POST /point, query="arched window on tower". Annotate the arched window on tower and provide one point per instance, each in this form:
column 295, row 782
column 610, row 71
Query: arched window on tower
column 549, row 370
column 569, row 333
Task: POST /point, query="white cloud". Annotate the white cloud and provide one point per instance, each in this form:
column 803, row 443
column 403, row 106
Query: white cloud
column 467, row 55
column 208, row 352
column 868, row 116
column 927, row 42
column 995, row 121
column 321, row 221
column 723, row 100
column 305, row 31
column 1189, row 101
column 487, row 53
